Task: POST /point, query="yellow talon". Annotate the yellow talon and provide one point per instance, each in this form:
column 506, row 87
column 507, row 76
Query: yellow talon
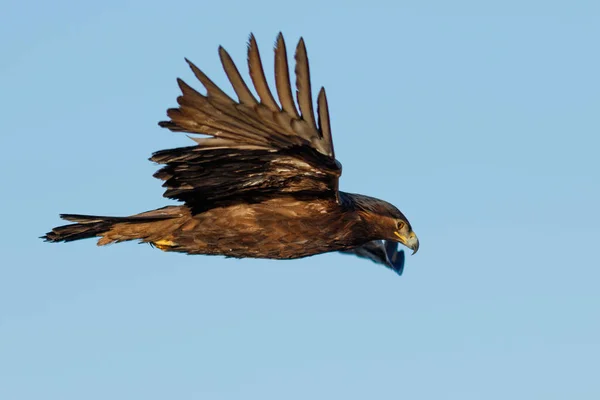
column 164, row 244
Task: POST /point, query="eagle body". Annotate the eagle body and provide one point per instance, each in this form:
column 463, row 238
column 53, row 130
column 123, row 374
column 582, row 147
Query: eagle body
column 261, row 182
column 281, row 228
column 278, row 228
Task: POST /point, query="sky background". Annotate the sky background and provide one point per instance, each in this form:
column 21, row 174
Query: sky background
column 481, row 123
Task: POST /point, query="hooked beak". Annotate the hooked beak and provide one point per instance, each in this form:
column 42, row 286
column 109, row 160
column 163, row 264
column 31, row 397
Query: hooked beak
column 412, row 242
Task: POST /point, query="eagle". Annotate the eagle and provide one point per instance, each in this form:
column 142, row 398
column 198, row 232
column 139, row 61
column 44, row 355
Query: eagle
column 261, row 180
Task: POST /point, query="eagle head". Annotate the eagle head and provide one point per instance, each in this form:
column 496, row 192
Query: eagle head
column 385, row 221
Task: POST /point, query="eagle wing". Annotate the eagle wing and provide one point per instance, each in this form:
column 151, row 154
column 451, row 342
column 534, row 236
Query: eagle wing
column 256, row 148
column 381, row 252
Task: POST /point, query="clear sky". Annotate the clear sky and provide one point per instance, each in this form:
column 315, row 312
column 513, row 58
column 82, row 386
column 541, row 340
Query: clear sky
column 480, row 123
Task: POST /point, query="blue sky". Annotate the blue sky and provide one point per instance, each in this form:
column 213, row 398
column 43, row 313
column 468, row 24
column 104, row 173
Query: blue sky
column 479, row 122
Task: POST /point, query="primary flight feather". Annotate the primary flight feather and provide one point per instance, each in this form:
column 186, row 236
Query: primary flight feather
column 264, row 184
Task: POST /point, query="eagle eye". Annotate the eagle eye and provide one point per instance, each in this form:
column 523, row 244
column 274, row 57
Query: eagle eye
column 400, row 225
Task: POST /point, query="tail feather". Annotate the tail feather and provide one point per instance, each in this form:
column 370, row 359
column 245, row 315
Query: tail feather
column 89, row 226
column 86, row 219
column 84, row 230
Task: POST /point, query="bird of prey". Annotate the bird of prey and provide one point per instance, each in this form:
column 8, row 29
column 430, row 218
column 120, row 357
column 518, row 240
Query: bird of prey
column 261, row 182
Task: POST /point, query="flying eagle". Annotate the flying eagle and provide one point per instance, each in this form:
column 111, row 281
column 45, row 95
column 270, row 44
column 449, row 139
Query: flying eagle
column 262, row 182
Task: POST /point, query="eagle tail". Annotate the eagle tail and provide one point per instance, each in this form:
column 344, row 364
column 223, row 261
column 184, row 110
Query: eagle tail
column 110, row 229
column 87, row 226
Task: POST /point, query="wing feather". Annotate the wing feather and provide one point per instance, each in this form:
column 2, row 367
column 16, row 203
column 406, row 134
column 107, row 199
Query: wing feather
column 213, row 90
column 241, row 89
column 324, row 122
column 282, row 78
column 303, row 89
column 257, row 74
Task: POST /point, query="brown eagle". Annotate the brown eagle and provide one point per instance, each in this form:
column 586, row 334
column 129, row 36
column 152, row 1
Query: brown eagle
column 262, row 182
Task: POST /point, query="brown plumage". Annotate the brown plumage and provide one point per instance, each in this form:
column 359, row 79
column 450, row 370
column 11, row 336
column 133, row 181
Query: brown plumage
column 264, row 184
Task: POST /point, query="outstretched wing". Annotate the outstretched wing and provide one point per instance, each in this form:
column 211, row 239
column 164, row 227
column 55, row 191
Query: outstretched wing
column 381, row 252
column 258, row 148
